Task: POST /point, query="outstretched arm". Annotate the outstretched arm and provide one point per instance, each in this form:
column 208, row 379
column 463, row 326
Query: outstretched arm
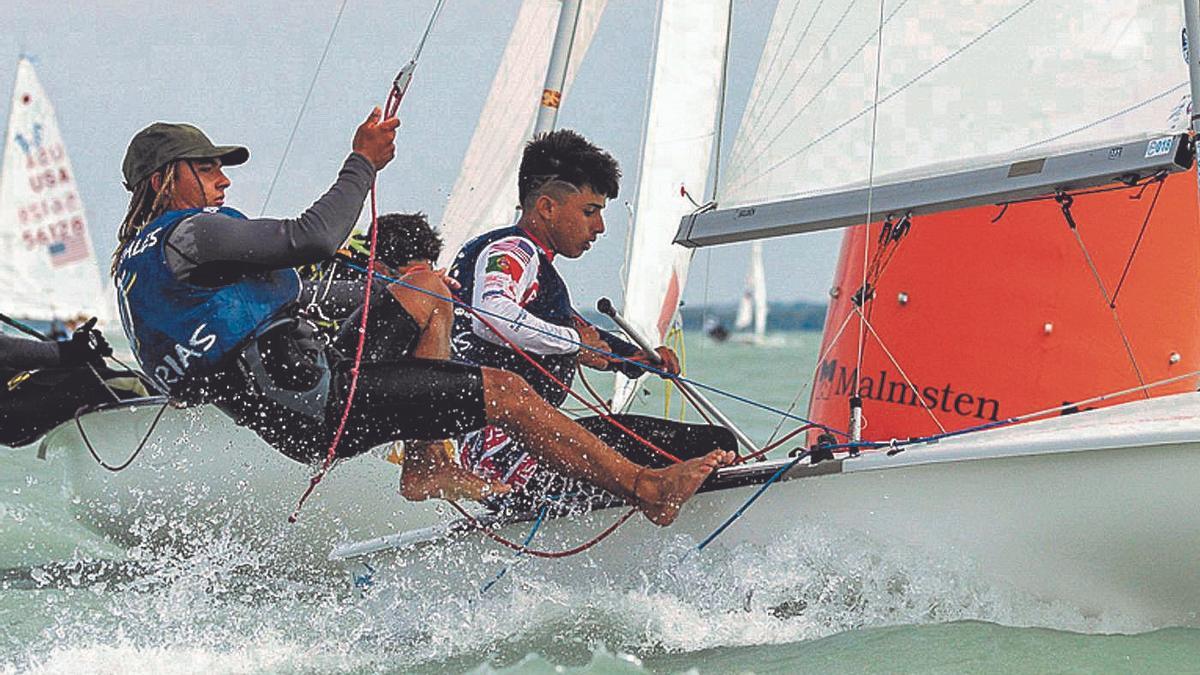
column 213, row 238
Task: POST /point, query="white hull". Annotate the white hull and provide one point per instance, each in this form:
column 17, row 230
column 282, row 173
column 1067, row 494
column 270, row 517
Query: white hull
column 1097, row 510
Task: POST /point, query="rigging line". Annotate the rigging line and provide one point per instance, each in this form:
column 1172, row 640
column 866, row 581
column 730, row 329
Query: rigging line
column 1080, row 193
column 816, row 369
column 475, row 522
column 723, row 101
column 749, row 150
column 862, row 338
column 537, row 524
column 1107, row 118
column 752, row 115
column 830, row 80
column 615, row 357
column 749, row 502
column 1137, row 244
column 933, row 438
column 1111, row 306
column 907, row 380
column 303, row 106
column 136, row 451
column 918, row 77
column 437, row 10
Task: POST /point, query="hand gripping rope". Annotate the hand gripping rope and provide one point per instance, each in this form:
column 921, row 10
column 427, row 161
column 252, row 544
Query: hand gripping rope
column 390, row 108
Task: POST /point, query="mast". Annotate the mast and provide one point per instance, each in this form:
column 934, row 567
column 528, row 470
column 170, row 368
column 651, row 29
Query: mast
column 556, row 72
column 1191, row 21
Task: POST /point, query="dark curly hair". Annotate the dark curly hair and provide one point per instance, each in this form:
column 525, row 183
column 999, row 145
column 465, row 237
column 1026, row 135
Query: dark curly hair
column 564, row 155
column 405, row 237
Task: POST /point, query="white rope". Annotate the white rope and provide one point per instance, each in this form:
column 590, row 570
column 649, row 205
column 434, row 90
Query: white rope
column 903, row 374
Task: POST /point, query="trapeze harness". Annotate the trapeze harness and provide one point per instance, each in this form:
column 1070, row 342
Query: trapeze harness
column 181, row 332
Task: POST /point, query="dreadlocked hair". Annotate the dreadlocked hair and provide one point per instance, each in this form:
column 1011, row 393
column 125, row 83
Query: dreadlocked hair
column 564, row 156
column 145, row 204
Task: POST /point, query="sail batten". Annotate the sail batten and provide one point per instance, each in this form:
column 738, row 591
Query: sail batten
column 49, row 269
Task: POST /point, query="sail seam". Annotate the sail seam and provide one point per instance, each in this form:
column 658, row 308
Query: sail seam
column 925, row 73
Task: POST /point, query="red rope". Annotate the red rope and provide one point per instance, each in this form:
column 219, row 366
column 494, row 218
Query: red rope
column 538, row 553
column 786, row 437
column 393, row 102
column 590, row 406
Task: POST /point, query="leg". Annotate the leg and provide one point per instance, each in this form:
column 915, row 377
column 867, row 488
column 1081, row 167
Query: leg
column 432, row 313
column 430, row 471
column 512, row 405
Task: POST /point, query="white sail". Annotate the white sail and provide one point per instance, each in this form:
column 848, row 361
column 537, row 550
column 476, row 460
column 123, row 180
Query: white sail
column 48, row 268
column 681, row 129
column 485, row 194
column 1006, row 80
column 752, row 308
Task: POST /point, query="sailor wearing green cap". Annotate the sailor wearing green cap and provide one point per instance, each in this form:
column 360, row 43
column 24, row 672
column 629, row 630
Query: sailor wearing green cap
column 214, row 310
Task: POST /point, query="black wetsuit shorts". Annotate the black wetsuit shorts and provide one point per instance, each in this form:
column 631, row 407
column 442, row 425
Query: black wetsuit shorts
column 398, row 397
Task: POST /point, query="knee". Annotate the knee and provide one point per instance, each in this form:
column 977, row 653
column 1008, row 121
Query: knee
column 508, row 390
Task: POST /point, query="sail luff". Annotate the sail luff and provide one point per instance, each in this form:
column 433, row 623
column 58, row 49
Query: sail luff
column 49, row 268
column 678, row 151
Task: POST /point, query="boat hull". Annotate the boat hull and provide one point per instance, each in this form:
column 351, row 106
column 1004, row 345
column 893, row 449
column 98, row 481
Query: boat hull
column 1096, row 510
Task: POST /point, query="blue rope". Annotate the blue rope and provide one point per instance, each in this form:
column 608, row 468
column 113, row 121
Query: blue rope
column 537, row 524
column 753, row 498
column 610, row 355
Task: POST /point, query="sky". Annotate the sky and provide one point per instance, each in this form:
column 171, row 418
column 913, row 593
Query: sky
column 240, row 71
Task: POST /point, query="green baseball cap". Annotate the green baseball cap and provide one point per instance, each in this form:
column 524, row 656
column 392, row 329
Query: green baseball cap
column 161, row 143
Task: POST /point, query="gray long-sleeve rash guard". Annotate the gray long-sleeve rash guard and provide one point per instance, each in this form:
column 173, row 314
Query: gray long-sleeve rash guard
column 212, row 248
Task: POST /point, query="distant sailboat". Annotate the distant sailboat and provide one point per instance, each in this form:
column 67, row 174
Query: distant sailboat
column 750, row 325
column 48, row 268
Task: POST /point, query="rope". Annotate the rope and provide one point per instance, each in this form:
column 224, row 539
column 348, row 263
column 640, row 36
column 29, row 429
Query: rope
column 303, row 106
column 594, row 408
column 1137, row 244
column 136, row 451
column 1065, row 202
column 647, row 367
column 862, row 337
column 537, row 524
column 913, row 387
column 390, row 108
column 551, row 555
column 934, row 438
column 749, row 502
column 354, row 370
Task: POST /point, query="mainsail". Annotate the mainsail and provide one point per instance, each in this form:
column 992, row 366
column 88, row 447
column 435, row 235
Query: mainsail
column 485, row 193
column 48, row 268
column 1002, row 81
column 990, row 311
column 681, row 130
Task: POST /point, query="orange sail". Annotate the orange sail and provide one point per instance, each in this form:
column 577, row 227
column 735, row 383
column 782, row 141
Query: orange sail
column 987, row 313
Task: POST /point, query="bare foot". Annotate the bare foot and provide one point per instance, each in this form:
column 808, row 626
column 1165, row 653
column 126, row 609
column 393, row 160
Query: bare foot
column 430, row 473
column 662, row 492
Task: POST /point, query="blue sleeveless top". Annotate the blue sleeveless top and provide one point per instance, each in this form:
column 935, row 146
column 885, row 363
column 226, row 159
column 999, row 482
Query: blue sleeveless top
column 177, row 329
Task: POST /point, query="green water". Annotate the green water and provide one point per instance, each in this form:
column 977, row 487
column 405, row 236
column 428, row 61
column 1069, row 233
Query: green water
column 814, row 601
